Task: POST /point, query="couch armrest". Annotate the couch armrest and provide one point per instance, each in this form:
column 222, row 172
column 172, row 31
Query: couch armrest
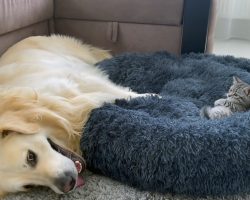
column 23, row 18
column 16, row 14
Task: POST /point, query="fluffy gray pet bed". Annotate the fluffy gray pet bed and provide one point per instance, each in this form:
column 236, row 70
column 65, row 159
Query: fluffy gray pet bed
column 163, row 144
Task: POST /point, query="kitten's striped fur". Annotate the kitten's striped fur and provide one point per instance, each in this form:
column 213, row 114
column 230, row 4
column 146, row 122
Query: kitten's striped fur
column 238, row 100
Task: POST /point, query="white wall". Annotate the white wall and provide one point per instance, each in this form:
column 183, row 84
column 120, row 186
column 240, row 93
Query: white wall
column 233, row 19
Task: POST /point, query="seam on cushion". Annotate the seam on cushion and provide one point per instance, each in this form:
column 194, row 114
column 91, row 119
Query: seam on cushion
column 181, row 36
column 129, row 22
column 122, row 22
column 51, row 21
column 53, row 18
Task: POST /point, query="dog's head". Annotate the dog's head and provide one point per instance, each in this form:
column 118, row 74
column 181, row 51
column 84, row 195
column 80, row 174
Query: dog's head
column 29, row 154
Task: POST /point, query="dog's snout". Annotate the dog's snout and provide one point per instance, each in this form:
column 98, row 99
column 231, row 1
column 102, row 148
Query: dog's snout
column 66, row 182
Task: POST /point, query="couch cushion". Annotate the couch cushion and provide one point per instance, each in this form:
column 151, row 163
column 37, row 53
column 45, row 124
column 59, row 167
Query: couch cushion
column 132, row 11
column 15, row 14
column 129, row 36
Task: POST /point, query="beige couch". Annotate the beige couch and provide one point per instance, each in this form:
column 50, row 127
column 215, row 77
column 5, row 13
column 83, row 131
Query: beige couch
column 124, row 25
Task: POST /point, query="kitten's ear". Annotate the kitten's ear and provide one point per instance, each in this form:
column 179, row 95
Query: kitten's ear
column 247, row 91
column 236, row 80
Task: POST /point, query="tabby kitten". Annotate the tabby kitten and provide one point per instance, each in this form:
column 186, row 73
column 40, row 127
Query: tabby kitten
column 238, row 100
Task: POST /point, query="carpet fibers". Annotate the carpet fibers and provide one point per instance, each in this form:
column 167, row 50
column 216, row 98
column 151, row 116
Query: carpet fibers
column 102, row 188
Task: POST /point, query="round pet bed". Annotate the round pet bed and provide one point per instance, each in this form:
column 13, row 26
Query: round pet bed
column 164, row 145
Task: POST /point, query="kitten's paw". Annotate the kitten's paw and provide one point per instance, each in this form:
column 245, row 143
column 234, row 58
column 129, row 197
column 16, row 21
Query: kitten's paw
column 220, row 102
column 204, row 112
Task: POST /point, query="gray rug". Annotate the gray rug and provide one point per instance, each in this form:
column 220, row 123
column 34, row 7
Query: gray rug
column 102, row 188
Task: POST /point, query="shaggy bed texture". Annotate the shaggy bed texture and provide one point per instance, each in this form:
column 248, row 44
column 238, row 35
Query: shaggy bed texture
column 163, row 145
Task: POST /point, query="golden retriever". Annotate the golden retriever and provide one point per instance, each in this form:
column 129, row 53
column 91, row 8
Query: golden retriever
column 48, row 87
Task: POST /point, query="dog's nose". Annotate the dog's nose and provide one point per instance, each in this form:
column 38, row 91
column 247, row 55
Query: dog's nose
column 66, row 182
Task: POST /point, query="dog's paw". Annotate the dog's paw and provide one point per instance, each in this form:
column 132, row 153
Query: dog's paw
column 149, row 95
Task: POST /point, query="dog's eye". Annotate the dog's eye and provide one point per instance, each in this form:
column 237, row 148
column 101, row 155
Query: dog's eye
column 27, row 187
column 31, row 158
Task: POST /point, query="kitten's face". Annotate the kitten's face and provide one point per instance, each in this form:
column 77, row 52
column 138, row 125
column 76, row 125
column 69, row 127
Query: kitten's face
column 239, row 92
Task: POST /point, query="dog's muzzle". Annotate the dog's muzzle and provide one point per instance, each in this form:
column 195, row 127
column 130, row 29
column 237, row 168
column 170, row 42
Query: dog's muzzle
column 68, row 181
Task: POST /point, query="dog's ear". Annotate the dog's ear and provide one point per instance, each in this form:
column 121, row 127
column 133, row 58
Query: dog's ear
column 18, row 111
column 18, row 125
